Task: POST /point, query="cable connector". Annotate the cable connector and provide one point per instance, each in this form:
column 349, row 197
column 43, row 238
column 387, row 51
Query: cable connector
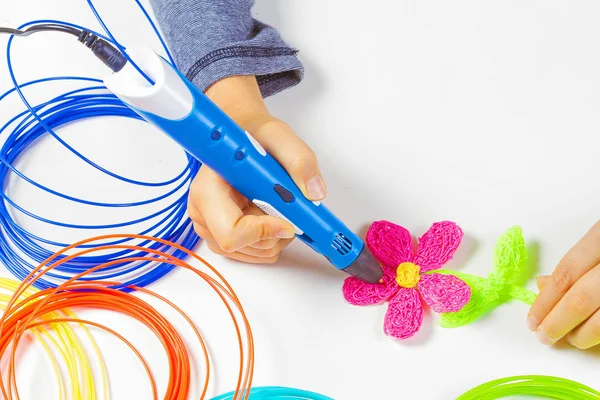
column 103, row 50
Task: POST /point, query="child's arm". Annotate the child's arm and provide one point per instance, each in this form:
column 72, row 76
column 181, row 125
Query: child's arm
column 569, row 301
column 215, row 39
column 238, row 61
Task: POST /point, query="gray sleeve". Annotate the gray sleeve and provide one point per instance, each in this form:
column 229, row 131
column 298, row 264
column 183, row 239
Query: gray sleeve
column 213, row 39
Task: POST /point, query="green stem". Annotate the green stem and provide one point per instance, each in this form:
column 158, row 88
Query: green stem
column 521, row 294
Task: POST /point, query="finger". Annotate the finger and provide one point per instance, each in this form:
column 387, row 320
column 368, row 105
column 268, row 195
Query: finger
column 578, row 261
column 202, row 231
column 587, row 335
column 195, row 193
column 205, row 181
column 542, row 281
column 266, row 253
column 193, row 211
column 580, row 302
column 294, row 155
column 265, row 244
column 231, row 228
column 215, row 248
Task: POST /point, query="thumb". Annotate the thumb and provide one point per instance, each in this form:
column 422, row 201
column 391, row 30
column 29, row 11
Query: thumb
column 251, row 229
column 294, row 155
column 221, row 207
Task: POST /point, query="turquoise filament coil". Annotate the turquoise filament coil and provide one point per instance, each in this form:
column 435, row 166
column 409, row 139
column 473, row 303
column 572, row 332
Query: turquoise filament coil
column 540, row 386
column 277, row 393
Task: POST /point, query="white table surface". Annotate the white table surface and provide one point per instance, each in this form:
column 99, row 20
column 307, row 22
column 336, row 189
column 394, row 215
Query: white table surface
column 484, row 113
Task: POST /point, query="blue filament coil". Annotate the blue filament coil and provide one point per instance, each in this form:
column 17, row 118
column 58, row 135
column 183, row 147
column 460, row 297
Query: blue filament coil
column 20, row 249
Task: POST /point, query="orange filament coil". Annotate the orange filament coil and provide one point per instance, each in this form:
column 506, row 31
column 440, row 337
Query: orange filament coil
column 65, row 350
column 30, row 310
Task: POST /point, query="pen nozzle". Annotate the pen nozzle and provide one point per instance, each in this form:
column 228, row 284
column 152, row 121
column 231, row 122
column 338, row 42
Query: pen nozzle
column 365, row 267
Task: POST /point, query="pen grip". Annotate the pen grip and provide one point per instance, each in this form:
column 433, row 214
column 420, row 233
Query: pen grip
column 190, row 118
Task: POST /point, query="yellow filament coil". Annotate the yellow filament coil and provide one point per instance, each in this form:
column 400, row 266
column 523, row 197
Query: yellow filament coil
column 59, row 340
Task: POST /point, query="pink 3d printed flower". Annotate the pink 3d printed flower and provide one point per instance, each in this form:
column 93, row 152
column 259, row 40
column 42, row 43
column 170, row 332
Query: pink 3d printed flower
column 405, row 281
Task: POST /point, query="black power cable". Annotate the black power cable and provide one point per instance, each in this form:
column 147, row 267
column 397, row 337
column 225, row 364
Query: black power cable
column 103, row 50
column 41, row 28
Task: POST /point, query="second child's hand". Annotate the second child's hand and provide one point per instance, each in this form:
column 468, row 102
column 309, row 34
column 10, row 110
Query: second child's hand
column 568, row 305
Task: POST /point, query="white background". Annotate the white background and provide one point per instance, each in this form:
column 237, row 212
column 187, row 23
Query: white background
column 484, row 113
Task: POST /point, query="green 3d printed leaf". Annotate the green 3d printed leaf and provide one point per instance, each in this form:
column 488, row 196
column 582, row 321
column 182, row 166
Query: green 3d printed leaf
column 510, row 271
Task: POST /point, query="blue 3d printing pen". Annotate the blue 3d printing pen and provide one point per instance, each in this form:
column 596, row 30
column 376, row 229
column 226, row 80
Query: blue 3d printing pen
column 179, row 109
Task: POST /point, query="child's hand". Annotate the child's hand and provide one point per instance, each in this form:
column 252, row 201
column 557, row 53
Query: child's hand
column 569, row 301
column 230, row 224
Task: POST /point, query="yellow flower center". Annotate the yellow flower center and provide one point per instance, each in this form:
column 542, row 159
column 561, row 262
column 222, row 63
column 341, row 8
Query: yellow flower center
column 408, row 275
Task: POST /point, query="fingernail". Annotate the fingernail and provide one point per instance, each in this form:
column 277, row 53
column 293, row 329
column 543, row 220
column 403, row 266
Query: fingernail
column 283, row 234
column 316, row 188
column 541, row 281
column 532, row 323
column 570, row 340
column 543, row 338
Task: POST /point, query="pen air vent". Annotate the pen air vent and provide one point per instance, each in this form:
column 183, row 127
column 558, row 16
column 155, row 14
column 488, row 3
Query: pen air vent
column 341, row 244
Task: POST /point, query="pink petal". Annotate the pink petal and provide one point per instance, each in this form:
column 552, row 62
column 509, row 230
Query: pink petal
column 444, row 293
column 404, row 315
column 361, row 293
column 390, row 244
column 438, row 245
